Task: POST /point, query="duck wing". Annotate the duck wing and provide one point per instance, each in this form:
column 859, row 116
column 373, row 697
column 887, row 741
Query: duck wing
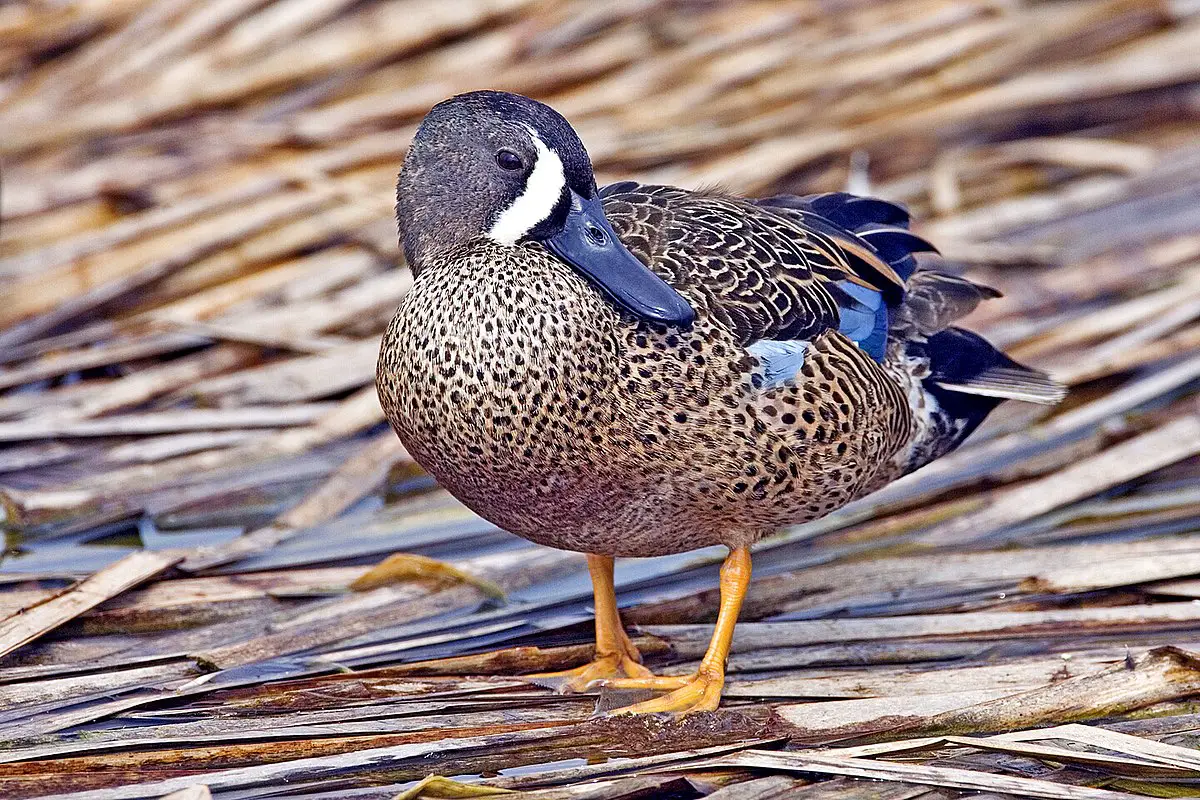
column 783, row 269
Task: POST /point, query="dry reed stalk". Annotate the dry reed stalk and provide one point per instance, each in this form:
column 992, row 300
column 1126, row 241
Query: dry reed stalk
column 182, row 36
column 296, row 326
column 205, row 419
column 249, row 292
column 29, row 623
column 328, row 222
column 358, row 412
column 360, row 474
column 154, row 382
column 100, row 280
column 89, row 242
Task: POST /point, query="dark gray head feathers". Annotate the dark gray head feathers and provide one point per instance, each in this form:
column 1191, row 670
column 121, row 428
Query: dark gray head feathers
column 455, row 184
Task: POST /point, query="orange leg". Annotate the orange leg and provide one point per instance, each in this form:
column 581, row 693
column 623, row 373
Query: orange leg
column 701, row 691
column 615, row 653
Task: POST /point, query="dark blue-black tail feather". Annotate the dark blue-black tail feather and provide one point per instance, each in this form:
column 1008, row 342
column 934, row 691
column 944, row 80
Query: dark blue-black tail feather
column 969, row 377
column 852, row 211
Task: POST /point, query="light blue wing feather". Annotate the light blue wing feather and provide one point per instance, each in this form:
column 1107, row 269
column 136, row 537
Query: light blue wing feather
column 779, row 362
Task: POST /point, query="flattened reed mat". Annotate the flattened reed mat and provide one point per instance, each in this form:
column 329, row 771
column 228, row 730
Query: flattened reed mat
column 197, row 260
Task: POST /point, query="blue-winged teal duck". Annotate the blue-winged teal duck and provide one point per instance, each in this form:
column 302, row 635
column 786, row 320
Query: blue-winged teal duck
column 638, row 370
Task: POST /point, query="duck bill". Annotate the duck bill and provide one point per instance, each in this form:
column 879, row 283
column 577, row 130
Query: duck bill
column 589, row 244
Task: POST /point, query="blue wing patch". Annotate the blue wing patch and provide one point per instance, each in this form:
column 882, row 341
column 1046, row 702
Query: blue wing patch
column 864, row 320
column 779, row 362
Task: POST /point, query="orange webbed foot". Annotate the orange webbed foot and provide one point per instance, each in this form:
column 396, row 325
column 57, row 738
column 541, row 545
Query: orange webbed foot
column 605, row 667
column 690, row 693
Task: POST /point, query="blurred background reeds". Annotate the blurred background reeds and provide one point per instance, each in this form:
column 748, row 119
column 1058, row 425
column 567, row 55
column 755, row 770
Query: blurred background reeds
column 198, row 256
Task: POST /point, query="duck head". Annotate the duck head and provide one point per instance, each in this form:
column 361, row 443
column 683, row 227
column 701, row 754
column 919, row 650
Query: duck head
column 513, row 170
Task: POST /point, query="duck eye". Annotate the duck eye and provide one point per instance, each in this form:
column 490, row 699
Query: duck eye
column 509, row 160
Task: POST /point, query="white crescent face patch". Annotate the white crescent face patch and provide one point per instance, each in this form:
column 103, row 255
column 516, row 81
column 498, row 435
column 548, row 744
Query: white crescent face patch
column 543, row 189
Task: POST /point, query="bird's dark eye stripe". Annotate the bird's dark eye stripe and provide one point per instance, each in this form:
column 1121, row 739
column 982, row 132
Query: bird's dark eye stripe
column 509, row 160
